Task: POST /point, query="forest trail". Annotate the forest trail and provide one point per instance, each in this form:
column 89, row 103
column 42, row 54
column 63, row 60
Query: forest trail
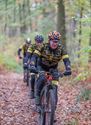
column 16, row 105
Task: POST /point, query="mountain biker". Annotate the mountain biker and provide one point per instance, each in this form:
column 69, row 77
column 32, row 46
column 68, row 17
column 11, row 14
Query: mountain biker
column 49, row 57
column 36, row 46
column 22, row 53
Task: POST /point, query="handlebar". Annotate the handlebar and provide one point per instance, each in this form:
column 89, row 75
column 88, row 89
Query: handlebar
column 51, row 72
column 34, row 70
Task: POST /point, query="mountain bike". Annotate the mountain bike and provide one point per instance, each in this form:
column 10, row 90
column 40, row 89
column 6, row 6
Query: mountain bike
column 48, row 102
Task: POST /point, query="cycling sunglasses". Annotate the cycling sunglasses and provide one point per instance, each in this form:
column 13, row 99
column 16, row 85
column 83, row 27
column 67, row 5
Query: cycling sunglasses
column 39, row 42
column 54, row 41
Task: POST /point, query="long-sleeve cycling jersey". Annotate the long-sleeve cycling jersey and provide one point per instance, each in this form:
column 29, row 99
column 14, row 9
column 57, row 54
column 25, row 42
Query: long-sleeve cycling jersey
column 23, row 48
column 49, row 57
column 30, row 51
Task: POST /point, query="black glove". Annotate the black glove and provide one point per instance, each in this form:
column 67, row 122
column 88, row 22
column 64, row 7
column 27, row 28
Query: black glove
column 54, row 73
column 67, row 72
column 20, row 57
column 33, row 69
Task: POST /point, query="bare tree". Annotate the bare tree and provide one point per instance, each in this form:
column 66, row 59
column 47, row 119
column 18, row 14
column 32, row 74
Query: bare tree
column 5, row 26
column 61, row 21
column 90, row 38
column 29, row 14
column 80, row 29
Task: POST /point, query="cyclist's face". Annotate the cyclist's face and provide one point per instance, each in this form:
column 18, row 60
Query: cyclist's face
column 38, row 43
column 53, row 44
column 27, row 44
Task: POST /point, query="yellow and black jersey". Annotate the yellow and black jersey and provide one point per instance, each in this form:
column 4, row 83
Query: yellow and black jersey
column 32, row 48
column 24, row 49
column 50, row 57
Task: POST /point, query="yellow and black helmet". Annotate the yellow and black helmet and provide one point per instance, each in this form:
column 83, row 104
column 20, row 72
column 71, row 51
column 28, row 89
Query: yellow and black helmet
column 54, row 36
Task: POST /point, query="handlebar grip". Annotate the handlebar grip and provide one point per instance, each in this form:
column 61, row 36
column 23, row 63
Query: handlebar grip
column 33, row 70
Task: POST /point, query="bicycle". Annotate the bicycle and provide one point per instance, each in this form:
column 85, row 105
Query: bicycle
column 48, row 102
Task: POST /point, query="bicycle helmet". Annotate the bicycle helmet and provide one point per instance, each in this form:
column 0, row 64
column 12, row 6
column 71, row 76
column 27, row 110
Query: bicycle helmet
column 54, row 36
column 28, row 41
column 39, row 38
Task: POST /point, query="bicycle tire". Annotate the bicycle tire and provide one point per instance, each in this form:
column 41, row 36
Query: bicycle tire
column 41, row 119
column 51, row 98
column 28, row 78
column 46, row 96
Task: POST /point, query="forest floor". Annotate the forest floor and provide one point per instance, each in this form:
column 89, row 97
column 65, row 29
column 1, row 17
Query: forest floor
column 16, row 107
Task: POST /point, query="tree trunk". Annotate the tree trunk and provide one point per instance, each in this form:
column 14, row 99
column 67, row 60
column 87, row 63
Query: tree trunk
column 13, row 30
column 29, row 13
column 23, row 27
column 61, row 21
column 20, row 16
column 80, row 31
column 90, row 38
column 14, row 17
column 5, row 26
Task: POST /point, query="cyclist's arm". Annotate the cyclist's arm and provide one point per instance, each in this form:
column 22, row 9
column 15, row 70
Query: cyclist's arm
column 66, row 60
column 19, row 51
column 28, row 56
column 35, row 57
column 29, row 53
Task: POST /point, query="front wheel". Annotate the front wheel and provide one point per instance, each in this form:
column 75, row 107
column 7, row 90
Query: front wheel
column 50, row 108
column 48, row 105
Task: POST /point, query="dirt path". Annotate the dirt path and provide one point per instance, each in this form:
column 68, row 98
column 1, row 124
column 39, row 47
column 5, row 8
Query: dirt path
column 16, row 106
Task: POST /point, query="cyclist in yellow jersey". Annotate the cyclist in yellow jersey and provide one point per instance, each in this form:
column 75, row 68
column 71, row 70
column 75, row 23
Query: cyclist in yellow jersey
column 22, row 52
column 48, row 58
column 36, row 46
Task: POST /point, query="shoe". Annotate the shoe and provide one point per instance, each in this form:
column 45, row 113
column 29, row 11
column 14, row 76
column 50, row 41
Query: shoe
column 32, row 95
